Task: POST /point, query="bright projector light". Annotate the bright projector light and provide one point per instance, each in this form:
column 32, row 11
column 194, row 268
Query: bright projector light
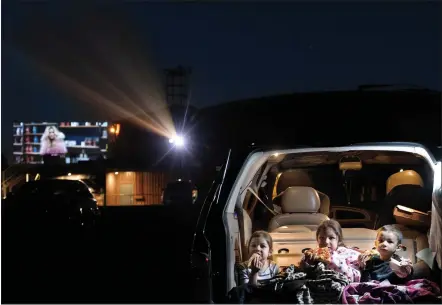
column 177, row 140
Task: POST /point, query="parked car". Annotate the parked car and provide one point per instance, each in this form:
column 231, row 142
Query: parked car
column 60, row 201
column 359, row 183
column 49, row 238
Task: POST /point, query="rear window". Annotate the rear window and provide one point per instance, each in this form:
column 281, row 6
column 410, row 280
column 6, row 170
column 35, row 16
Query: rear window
column 29, row 189
column 55, row 188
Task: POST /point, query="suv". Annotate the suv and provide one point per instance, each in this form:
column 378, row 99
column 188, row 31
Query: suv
column 362, row 186
column 58, row 200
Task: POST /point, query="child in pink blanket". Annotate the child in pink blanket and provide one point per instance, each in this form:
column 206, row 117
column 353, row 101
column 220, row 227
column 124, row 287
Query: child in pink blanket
column 341, row 259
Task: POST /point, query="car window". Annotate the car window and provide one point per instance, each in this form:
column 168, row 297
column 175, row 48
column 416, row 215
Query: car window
column 84, row 191
column 55, row 188
column 79, row 189
column 28, row 189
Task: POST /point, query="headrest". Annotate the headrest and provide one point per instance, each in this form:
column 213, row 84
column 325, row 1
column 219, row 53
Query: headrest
column 409, row 177
column 300, row 199
column 294, row 177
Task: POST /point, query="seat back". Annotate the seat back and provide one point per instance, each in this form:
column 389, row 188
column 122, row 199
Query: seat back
column 323, row 198
column 292, row 229
column 409, row 196
column 299, row 206
column 298, row 177
column 404, row 188
column 325, row 203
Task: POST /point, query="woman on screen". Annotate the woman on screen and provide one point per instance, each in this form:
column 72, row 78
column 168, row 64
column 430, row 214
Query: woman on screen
column 52, row 142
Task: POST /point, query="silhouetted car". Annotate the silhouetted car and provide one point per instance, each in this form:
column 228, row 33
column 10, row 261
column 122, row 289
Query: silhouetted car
column 183, row 192
column 67, row 202
column 50, row 240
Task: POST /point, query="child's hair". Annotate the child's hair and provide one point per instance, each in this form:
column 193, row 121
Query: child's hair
column 391, row 229
column 263, row 234
column 335, row 226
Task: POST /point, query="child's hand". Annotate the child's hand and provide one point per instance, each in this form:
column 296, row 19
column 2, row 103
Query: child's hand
column 365, row 256
column 362, row 259
column 309, row 257
column 256, row 264
column 403, row 268
column 406, row 267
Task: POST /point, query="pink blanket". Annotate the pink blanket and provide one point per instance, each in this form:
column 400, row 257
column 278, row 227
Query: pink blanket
column 373, row 292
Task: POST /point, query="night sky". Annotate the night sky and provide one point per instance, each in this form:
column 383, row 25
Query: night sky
column 242, row 50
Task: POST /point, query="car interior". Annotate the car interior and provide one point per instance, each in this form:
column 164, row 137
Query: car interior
column 362, row 190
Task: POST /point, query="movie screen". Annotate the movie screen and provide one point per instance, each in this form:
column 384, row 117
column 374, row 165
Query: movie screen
column 65, row 142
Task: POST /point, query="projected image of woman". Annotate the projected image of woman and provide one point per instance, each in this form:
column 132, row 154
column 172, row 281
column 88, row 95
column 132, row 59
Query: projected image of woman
column 52, row 142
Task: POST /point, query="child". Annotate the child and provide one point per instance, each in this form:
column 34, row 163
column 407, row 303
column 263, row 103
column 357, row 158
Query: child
column 259, row 266
column 383, row 263
column 340, row 258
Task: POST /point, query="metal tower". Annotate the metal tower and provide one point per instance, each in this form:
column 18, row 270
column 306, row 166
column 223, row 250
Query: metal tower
column 177, row 85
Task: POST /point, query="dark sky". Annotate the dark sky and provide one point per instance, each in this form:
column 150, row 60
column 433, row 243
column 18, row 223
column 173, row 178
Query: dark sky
column 245, row 50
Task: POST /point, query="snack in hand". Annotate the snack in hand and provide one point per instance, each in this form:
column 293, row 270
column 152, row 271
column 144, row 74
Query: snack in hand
column 401, row 268
column 365, row 257
column 249, row 263
column 319, row 254
column 370, row 254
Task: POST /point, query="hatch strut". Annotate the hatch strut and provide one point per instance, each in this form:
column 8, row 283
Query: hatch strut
column 261, row 201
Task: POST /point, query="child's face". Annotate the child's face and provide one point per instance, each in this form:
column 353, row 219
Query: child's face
column 386, row 243
column 328, row 238
column 260, row 245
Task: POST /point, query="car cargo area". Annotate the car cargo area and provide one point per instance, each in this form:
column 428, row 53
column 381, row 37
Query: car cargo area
column 292, row 192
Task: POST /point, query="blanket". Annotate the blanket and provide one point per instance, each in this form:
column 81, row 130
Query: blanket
column 413, row 292
column 312, row 285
